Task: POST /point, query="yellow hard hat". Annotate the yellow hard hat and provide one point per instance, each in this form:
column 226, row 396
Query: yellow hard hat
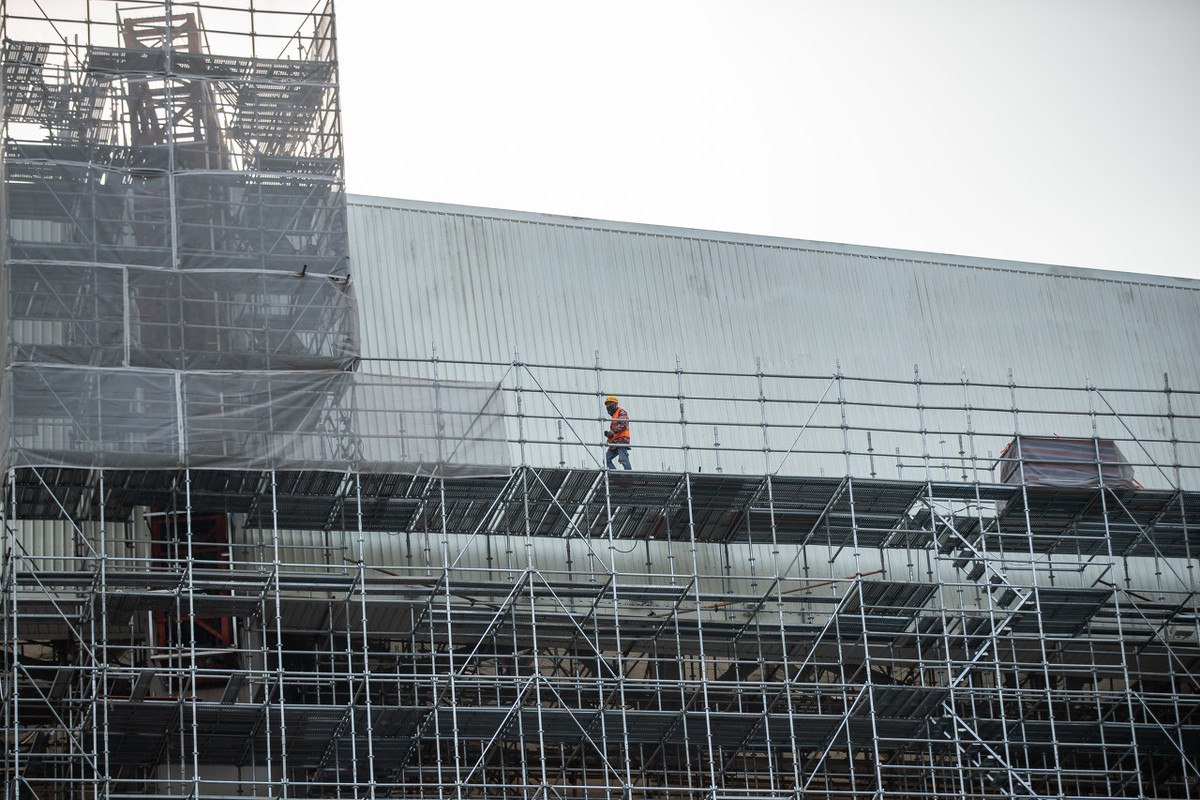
column 610, row 399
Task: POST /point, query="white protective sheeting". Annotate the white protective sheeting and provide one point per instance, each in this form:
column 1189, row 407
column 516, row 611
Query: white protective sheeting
column 123, row 418
column 170, row 319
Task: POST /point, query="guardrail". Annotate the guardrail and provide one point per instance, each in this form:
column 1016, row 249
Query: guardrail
column 834, row 424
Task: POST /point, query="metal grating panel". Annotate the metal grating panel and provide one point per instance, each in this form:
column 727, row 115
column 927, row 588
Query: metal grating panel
column 798, row 503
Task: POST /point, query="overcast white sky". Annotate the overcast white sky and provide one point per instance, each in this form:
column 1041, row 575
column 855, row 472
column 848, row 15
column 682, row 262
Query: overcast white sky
column 1052, row 131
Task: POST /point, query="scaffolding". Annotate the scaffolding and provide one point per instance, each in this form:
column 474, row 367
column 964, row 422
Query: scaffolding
column 174, row 234
column 909, row 626
column 237, row 563
column 177, row 287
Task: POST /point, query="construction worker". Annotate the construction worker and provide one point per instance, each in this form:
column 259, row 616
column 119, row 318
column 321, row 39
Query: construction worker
column 617, row 434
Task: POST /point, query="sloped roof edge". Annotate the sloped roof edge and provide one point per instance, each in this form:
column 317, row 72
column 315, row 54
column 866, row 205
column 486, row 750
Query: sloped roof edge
column 865, row 251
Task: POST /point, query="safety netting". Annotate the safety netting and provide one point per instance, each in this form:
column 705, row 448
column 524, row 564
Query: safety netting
column 90, row 417
column 176, row 281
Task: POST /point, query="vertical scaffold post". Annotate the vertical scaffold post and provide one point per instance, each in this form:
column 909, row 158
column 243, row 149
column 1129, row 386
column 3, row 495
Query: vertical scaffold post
column 1130, row 711
column 683, row 439
column 970, row 430
column 762, row 408
column 701, row 653
column 517, row 366
column 1047, row 684
column 717, row 447
column 193, row 673
column 1189, row 553
column 600, row 401
column 921, row 420
column 845, row 425
column 100, row 687
column 276, row 587
column 438, row 421
column 361, row 559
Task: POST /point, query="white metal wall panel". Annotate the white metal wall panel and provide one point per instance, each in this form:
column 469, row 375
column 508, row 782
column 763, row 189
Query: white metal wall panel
column 481, row 283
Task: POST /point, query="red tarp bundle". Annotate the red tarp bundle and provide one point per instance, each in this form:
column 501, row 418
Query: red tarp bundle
column 1054, row 461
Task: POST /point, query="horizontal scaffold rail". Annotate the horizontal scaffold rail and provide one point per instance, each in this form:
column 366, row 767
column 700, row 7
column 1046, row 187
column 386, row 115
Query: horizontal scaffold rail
column 558, row 502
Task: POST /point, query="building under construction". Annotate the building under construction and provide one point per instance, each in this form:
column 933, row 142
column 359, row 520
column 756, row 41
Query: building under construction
column 304, row 495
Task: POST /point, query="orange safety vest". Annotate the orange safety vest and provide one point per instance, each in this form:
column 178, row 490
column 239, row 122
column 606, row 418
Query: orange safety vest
column 619, row 427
